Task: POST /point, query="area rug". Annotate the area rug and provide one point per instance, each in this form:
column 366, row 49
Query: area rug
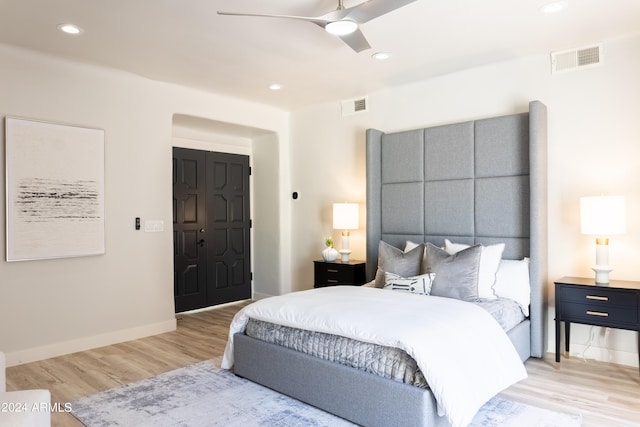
column 203, row 395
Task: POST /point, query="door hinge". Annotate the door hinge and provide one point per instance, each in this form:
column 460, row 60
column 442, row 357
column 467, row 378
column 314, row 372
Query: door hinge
column 250, row 223
column 251, row 275
column 249, row 170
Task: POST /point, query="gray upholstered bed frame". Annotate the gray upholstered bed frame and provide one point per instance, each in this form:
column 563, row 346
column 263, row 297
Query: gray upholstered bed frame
column 481, row 181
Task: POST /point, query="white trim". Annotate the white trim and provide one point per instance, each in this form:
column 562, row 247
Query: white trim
column 259, row 295
column 600, row 354
column 87, row 343
column 212, row 307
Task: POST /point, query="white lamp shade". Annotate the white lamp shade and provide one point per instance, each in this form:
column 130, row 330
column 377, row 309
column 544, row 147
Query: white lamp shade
column 602, row 215
column 345, row 216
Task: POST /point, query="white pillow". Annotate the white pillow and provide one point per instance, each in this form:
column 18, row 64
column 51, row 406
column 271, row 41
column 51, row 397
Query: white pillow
column 418, row 284
column 410, row 245
column 512, row 281
column 489, row 262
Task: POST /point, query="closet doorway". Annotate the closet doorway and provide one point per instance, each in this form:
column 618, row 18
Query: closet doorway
column 211, row 228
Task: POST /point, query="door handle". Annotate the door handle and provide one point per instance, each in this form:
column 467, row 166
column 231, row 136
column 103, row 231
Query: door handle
column 201, row 243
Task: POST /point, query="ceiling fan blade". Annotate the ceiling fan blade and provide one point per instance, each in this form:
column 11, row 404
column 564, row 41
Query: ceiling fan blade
column 372, row 9
column 356, row 41
column 319, row 21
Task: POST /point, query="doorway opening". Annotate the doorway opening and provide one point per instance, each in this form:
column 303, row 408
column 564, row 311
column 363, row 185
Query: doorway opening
column 263, row 148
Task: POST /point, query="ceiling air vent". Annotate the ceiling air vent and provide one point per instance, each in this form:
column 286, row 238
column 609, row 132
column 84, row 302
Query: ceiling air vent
column 572, row 59
column 354, row 106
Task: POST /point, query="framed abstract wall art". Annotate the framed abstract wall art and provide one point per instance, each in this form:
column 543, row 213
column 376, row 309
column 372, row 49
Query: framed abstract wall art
column 54, row 190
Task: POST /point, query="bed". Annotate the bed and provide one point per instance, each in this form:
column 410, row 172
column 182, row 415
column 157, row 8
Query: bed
column 464, row 187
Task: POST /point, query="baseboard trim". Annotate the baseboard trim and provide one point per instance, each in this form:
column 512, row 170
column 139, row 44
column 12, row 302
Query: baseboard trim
column 35, row 354
column 258, row 296
column 592, row 343
column 601, row 354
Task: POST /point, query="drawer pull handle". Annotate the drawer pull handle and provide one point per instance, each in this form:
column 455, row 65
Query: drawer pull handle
column 331, row 270
column 595, row 297
column 332, row 281
column 597, row 313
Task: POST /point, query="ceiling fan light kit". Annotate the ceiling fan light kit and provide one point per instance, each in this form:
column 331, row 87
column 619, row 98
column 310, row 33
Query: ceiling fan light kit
column 343, row 22
column 341, row 28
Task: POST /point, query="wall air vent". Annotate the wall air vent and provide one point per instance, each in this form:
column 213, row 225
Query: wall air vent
column 354, row 106
column 572, row 59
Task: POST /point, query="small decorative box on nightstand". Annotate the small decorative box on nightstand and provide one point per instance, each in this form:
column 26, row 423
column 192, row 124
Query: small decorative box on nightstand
column 613, row 305
column 338, row 273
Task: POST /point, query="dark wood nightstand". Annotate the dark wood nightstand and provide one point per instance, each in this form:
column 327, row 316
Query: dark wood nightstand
column 339, row 273
column 581, row 300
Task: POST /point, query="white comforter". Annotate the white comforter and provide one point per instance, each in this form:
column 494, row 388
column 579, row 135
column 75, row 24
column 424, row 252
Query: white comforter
column 463, row 353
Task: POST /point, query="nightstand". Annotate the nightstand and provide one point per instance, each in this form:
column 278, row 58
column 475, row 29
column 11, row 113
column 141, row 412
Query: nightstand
column 581, row 300
column 338, row 273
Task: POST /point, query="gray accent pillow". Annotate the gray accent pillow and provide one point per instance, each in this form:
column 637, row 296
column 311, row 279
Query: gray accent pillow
column 394, row 260
column 456, row 275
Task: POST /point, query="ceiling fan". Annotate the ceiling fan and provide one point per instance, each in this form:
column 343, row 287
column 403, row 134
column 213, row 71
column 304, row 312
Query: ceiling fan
column 343, row 22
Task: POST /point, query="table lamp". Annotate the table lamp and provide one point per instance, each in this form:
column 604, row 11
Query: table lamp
column 345, row 218
column 602, row 216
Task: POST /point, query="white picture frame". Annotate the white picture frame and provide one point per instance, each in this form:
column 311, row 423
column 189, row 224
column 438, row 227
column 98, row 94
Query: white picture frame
column 54, row 190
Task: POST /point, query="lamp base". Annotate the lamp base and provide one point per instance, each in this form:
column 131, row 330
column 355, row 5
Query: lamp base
column 602, row 274
column 345, row 251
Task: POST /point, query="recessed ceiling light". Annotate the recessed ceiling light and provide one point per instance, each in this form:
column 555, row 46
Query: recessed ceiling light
column 381, row 56
column 70, row 29
column 275, row 86
column 554, row 7
column 342, row 27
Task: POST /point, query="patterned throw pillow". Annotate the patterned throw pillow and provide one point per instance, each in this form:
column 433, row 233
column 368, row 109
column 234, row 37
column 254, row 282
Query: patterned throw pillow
column 416, row 285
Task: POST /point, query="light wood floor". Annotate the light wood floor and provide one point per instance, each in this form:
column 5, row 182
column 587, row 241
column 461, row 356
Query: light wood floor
column 606, row 395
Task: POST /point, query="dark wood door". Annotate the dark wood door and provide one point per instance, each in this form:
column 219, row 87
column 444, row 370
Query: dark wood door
column 189, row 222
column 228, row 225
column 211, row 228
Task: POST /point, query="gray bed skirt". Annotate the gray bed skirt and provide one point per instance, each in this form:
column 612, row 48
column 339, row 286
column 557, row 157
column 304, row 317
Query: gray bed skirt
column 362, row 398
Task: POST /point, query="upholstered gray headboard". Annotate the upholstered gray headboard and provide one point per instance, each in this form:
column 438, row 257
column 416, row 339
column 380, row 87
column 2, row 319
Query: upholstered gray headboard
column 482, row 181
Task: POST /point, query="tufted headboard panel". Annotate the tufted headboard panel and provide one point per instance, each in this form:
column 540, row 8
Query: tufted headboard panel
column 481, row 181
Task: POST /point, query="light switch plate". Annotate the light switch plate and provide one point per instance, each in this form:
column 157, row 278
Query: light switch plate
column 153, row 225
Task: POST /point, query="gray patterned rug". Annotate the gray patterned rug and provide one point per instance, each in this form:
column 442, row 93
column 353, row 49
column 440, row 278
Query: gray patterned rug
column 204, row 395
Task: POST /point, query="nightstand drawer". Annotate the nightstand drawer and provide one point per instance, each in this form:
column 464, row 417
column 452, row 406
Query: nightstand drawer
column 600, row 315
column 336, row 273
column 599, row 296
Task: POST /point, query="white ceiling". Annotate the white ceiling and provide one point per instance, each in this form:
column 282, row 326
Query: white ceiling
column 186, row 42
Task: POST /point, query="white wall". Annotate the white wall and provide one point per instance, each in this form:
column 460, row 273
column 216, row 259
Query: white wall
column 594, row 135
column 53, row 307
